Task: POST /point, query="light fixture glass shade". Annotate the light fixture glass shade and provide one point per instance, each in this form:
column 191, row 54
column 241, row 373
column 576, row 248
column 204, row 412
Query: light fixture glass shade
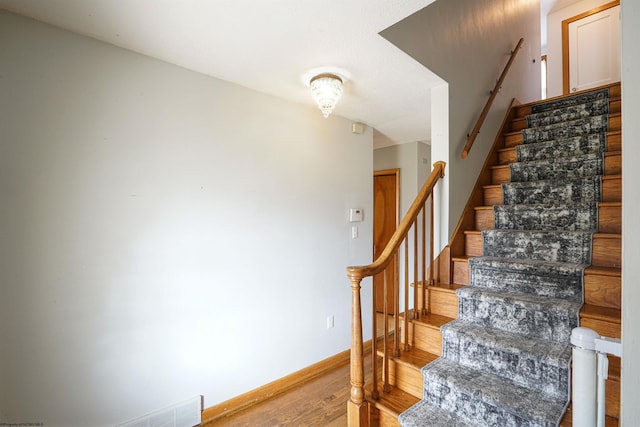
column 326, row 90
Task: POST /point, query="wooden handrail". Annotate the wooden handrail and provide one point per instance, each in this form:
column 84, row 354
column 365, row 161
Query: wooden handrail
column 405, row 225
column 483, row 115
column 357, row 407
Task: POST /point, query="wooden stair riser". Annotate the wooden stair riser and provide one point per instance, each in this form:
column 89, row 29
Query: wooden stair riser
column 515, row 138
column 508, row 155
column 609, row 218
column 612, row 166
column 602, row 327
column 444, row 303
column 603, row 290
column 611, row 191
column 606, row 250
column 604, row 320
column 405, row 377
column 460, row 271
column 384, row 419
column 381, row 416
column 612, row 398
column 441, row 301
column 426, row 337
column 473, row 244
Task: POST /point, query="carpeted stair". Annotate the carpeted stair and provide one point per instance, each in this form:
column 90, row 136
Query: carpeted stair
column 505, row 360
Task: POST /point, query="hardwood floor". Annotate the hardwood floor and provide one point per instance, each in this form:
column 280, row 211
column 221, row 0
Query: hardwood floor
column 320, row 402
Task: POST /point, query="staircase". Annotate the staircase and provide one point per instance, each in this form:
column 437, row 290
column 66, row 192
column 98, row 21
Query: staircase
column 451, row 293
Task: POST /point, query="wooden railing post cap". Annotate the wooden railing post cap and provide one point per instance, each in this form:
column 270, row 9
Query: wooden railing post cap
column 355, row 274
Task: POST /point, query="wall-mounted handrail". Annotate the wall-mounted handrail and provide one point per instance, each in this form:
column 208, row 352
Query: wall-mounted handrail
column 357, row 406
column 483, row 115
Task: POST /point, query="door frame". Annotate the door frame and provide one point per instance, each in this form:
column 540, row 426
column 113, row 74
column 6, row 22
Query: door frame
column 396, row 174
column 565, row 40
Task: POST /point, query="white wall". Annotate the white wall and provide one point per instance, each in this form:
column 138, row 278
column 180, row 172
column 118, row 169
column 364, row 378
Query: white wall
column 164, row 234
column 467, row 43
column 440, row 150
column 554, row 41
column 413, row 160
column 630, row 391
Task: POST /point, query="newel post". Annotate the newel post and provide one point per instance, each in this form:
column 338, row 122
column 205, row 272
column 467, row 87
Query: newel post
column 357, row 408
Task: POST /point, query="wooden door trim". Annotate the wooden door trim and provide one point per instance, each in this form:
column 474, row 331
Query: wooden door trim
column 565, row 40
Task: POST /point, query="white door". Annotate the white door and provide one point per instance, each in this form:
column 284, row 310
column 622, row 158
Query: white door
column 594, row 50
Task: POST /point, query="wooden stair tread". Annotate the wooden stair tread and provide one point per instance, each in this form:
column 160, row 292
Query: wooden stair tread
column 607, row 236
column 607, row 314
column 611, row 116
column 440, row 287
column 603, row 271
column 614, row 103
column 460, row 258
column 414, row 358
column 613, row 97
column 611, row 177
column 600, row 204
column 394, row 402
column 595, row 235
column 508, row 155
column 433, row 320
column 505, row 166
column 610, row 204
column 445, row 287
column 614, row 91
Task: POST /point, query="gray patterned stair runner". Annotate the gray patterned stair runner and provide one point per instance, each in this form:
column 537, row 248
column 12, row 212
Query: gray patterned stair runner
column 505, row 360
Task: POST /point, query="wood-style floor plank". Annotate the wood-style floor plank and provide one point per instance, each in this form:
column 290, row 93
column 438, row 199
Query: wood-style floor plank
column 319, row 402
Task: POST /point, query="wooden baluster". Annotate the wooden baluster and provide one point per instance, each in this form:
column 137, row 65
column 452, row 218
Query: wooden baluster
column 396, row 301
column 424, row 260
column 385, row 341
column 431, row 253
column 405, row 327
column 357, row 412
column 374, row 347
column 416, row 312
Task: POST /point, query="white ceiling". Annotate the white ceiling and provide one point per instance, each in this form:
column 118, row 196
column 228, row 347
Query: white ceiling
column 269, row 46
column 273, row 46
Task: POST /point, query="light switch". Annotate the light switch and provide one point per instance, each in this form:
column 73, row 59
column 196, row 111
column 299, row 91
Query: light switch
column 355, row 214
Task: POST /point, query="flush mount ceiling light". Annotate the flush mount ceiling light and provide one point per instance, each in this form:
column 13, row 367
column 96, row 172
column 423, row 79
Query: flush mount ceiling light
column 326, row 89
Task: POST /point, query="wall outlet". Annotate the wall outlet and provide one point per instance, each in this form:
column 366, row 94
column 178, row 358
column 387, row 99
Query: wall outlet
column 330, row 322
